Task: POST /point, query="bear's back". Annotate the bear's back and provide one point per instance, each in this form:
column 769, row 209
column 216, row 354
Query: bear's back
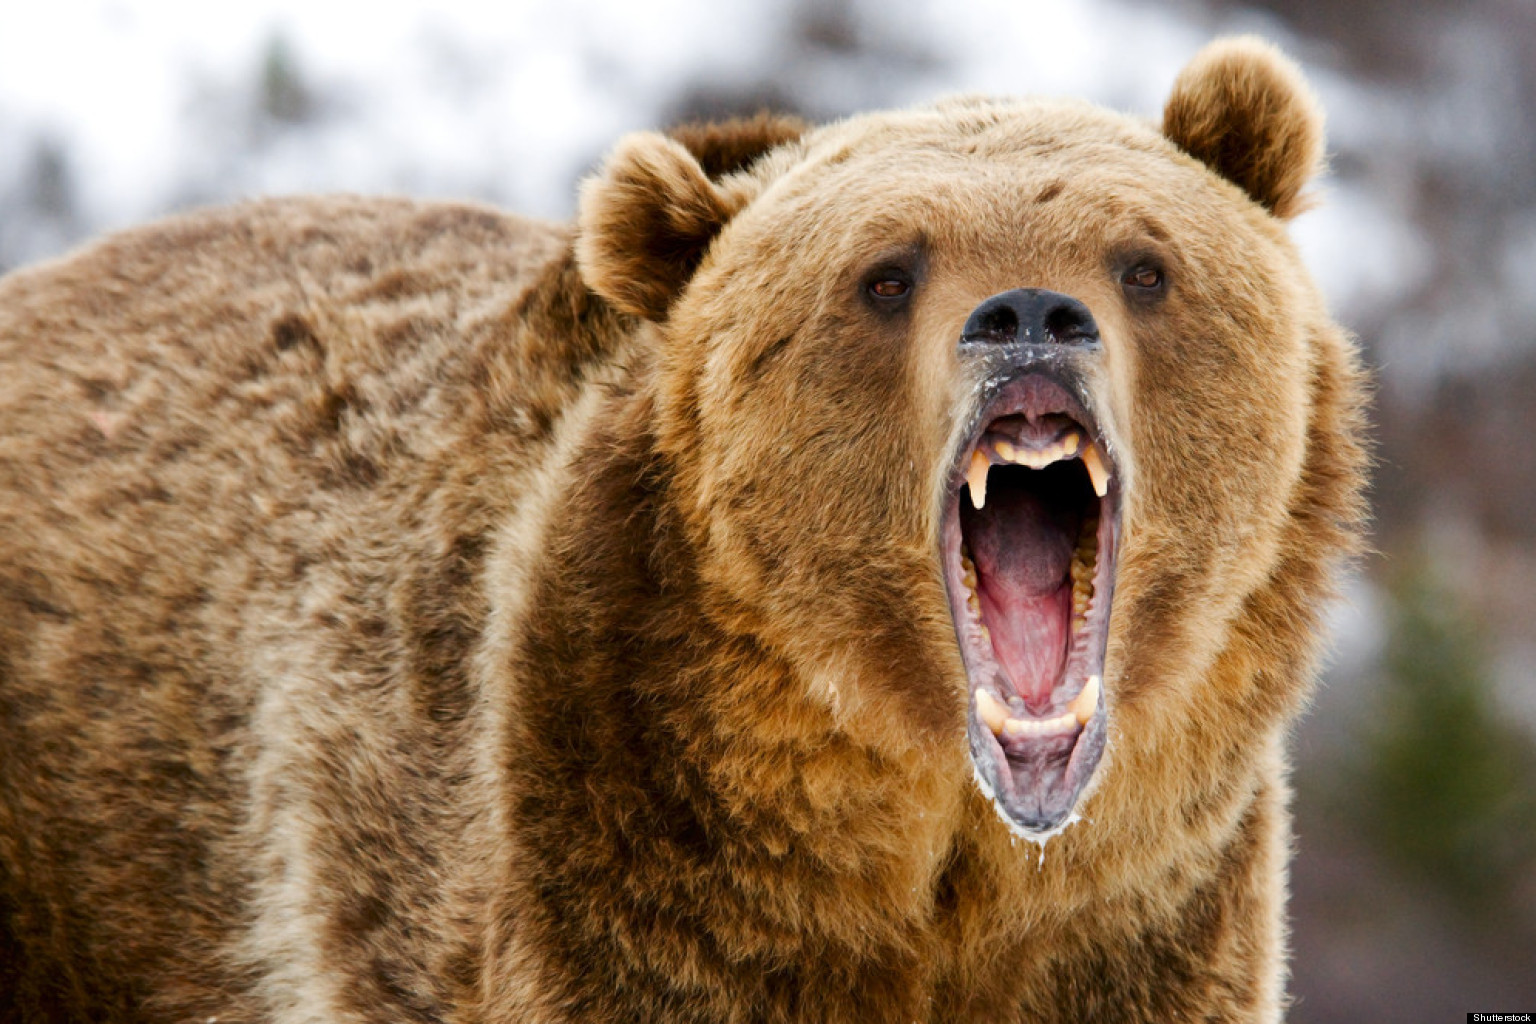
column 232, row 445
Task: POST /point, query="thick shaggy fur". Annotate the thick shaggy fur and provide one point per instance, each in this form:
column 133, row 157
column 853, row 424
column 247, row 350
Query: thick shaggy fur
column 408, row 612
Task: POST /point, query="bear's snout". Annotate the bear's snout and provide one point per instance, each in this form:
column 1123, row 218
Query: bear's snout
column 1030, row 316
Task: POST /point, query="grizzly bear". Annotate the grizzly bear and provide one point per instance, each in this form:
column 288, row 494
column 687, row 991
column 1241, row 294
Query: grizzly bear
column 858, row 573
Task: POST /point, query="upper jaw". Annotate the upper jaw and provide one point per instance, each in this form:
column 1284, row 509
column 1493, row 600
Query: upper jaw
column 1031, row 609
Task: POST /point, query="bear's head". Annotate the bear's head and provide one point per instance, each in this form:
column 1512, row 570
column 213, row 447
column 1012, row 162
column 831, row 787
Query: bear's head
column 998, row 420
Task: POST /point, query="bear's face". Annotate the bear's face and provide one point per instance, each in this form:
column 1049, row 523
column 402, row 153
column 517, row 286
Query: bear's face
column 951, row 397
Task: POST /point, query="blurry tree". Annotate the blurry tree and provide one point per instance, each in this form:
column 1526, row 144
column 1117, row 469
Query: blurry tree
column 48, row 182
column 38, row 206
column 1448, row 787
column 283, row 98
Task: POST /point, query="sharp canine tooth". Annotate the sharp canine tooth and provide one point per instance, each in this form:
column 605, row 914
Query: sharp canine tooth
column 1096, row 471
column 1086, row 702
column 976, row 476
column 992, row 712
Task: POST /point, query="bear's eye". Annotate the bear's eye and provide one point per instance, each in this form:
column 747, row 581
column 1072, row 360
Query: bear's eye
column 1144, row 277
column 889, row 280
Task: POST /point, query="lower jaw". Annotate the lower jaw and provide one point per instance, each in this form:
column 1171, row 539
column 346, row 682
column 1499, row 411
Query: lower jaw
column 1036, row 787
column 1038, row 767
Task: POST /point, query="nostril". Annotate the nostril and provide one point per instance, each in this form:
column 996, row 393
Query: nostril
column 1070, row 322
column 1000, row 323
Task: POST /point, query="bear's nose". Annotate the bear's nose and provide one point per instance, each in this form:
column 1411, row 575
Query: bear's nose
column 1030, row 315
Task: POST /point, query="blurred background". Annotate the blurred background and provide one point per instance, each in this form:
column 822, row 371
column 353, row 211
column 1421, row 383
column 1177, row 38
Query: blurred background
column 1414, row 889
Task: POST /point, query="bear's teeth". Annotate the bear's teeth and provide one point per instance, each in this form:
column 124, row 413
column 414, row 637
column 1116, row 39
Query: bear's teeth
column 1085, row 703
column 976, row 476
column 1084, row 560
column 1038, row 726
column 1096, row 471
column 1032, row 459
column 992, row 712
column 1066, row 448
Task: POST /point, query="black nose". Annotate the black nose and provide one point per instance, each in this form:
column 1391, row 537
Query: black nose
column 1030, row 315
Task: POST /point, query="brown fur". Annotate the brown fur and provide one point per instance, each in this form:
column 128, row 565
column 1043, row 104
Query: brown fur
column 725, row 147
column 412, row 613
column 1244, row 110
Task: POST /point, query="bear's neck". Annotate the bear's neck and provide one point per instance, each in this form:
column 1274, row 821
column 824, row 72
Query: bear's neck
column 652, row 750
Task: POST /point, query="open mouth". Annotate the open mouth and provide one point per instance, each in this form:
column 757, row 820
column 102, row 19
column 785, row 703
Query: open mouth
column 1029, row 558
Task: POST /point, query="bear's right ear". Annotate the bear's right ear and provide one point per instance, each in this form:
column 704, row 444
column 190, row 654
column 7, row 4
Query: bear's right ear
column 645, row 222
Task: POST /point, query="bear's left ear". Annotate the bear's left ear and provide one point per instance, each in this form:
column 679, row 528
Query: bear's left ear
column 1244, row 110
column 645, row 221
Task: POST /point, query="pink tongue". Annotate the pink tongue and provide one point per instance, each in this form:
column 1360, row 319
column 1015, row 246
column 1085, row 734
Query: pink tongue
column 1022, row 556
column 1030, row 640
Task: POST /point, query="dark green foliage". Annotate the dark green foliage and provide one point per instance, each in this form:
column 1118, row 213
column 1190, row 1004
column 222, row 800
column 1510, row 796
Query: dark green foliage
column 1449, row 785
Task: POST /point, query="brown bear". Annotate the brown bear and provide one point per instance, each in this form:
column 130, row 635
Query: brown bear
column 860, row 573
